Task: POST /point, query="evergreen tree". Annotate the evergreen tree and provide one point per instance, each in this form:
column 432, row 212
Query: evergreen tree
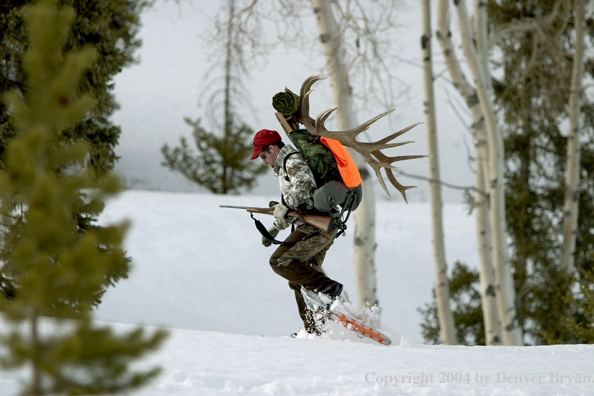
column 222, row 162
column 533, row 46
column 583, row 301
column 532, row 96
column 110, row 26
column 465, row 299
column 57, row 268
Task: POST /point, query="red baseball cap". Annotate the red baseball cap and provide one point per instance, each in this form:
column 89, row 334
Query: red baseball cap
column 263, row 138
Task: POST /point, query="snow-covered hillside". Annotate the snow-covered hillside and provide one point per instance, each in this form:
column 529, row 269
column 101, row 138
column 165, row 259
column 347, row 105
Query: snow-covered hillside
column 197, row 266
column 201, row 271
column 208, row 363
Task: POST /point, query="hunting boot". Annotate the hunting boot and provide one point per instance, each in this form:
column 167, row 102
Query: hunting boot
column 330, row 288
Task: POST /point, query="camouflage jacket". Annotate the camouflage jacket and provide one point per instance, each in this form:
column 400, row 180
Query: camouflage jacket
column 297, row 184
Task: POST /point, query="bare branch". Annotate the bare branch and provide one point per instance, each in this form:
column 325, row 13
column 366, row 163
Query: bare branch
column 445, row 184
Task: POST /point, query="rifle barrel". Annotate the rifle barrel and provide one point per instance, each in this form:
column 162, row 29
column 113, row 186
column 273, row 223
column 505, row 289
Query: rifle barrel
column 320, row 222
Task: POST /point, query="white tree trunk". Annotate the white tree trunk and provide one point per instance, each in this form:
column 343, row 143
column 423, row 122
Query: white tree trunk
column 442, row 284
column 483, row 224
column 482, row 39
column 364, row 251
column 486, row 270
column 572, row 177
column 511, row 331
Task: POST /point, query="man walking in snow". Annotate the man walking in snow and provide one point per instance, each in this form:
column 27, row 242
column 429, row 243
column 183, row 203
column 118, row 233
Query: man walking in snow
column 299, row 258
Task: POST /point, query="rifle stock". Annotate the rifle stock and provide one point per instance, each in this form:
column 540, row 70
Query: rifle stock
column 319, row 222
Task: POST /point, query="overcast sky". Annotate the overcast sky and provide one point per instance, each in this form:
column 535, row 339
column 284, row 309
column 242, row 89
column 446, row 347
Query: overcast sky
column 156, row 94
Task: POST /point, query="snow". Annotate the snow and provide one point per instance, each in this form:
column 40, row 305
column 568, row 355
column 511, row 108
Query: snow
column 209, row 363
column 201, row 271
column 188, row 251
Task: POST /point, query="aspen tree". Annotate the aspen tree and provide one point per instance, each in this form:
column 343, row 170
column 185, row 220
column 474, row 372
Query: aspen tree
column 365, row 244
column 481, row 201
column 511, row 331
column 572, row 175
column 442, row 286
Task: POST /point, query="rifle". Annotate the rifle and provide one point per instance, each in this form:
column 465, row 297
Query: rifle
column 320, row 222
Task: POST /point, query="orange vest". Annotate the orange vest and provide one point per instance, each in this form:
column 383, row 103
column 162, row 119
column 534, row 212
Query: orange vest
column 348, row 171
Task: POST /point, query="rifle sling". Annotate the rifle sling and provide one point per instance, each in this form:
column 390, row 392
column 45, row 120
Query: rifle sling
column 265, row 232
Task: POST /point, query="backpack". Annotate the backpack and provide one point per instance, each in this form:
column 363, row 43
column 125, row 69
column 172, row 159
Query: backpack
column 327, row 159
column 329, row 162
column 319, row 158
column 335, row 173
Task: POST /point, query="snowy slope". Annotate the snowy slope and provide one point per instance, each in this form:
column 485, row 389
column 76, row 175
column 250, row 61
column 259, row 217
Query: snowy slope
column 197, row 266
column 207, row 363
column 201, row 271
column 213, row 363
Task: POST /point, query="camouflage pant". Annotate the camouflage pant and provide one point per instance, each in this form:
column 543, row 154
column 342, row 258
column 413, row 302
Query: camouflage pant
column 299, row 261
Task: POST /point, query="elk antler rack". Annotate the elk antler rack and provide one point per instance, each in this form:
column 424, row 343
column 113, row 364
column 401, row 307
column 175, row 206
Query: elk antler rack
column 370, row 151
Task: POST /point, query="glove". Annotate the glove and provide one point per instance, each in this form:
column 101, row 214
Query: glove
column 273, row 231
column 281, row 221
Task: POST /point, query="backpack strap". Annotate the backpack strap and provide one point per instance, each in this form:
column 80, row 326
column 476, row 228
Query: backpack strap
column 285, row 163
column 337, row 221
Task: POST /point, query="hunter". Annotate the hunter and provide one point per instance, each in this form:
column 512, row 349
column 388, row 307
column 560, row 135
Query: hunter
column 299, row 258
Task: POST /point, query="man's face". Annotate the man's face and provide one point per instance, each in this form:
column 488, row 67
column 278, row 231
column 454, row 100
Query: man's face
column 269, row 156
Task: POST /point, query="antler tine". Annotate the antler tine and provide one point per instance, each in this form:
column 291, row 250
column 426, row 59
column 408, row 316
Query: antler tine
column 352, row 134
column 367, row 124
column 304, row 93
column 309, row 81
column 321, row 120
column 383, row 143
column 387, row 161
column 397, row 134
column 376, row 146
column 398, row 186
column 378, row 174
column 320, row 129
column 306, row 90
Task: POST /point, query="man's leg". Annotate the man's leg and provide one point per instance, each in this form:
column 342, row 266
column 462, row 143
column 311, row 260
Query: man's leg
column 306, row 315
column 299, row 261
column 293, row 260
